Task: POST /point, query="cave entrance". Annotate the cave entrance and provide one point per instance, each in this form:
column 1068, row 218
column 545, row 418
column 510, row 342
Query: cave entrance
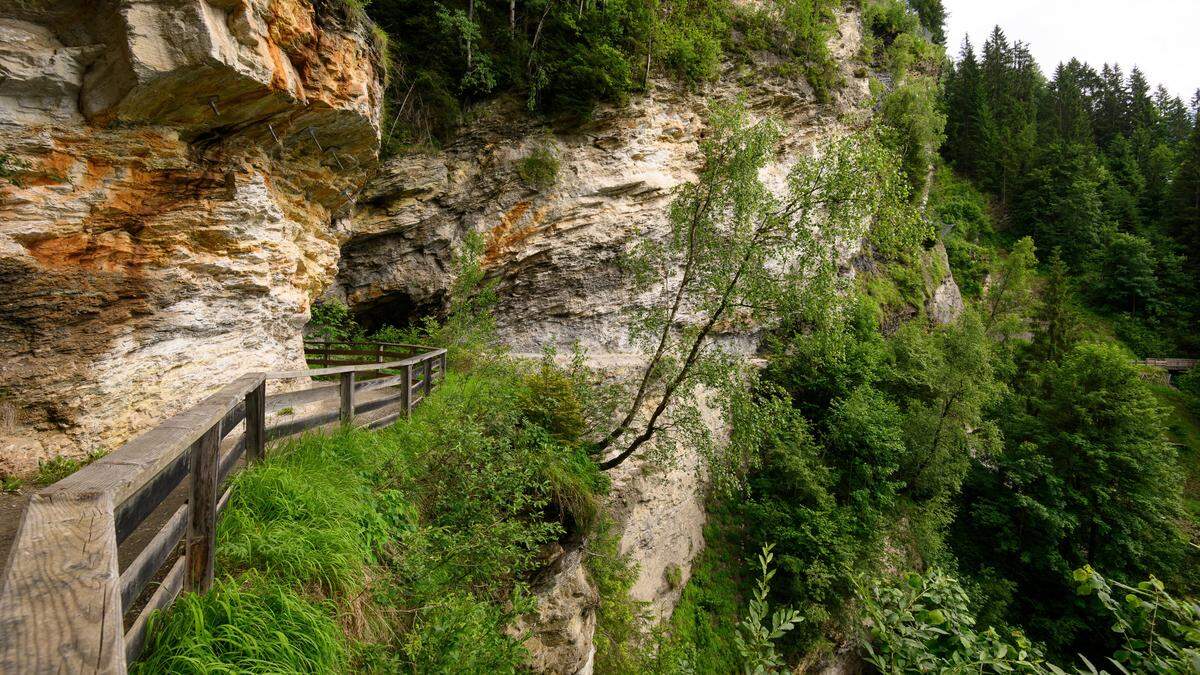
column 400, row 310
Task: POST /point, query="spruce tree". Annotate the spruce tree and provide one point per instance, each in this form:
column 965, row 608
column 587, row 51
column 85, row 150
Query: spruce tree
column 1185, row 202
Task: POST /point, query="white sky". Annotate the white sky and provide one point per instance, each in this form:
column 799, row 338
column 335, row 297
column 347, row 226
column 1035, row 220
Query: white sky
column 1160, row 36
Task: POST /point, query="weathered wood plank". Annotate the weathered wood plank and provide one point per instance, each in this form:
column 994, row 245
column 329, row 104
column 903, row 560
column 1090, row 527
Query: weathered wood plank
column 132, row 511
column 346, row 394
column 318, row 355
column 233, row 418
column 202, row 513
column 406, row 391
column 146, row 564
column 379, row 383
column 230, row 457
column 224, row 500
column 60, row 607
column 294, row 427
column 291, row 399
column 338, row 370
column 166, row 593
column 382, row 402
column 385, row 420
column 256, row 424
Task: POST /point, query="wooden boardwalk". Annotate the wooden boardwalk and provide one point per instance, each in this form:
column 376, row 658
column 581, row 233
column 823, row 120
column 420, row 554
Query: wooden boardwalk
column 72, row 576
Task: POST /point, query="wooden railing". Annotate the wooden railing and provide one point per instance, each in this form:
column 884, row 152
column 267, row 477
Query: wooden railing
column 1171, row 364
column 64, row 598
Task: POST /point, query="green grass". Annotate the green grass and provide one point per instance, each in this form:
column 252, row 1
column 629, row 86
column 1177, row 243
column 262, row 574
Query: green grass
column 1183, row 430
column 57, row 468
column 405, row 549
column 245, row 624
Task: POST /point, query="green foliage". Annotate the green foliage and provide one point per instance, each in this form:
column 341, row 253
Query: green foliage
column 1125, row 275
column 760, row 629
column 11, row 169
column 1089, row 162
column 917, row 125
column 566, row 58
column 800, row 31
column 243, row 625
column 689, row 37
column 11, row 484
column 933, row 18
column 297, row 493
column 538, row 169
column 923, row 623
column 1086, row 478
column 1159, row 633
column 332, row 321
column 895, row 40
column 620, row 620
column 702, row 628
column 1189, row 382
column 726, row 229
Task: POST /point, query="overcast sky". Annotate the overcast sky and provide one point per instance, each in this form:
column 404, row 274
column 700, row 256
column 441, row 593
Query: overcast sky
column 1160, row 36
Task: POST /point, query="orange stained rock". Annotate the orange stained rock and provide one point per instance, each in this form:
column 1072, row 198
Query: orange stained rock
column 507, row 234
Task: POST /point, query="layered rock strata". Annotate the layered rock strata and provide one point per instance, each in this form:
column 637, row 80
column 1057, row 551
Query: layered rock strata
column 172, row 173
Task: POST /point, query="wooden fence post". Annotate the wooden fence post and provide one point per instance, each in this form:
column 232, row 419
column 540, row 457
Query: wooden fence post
column 379, row 353
column 325, row 353
column 406, row 395
column 202, row 509
column 347, row 392
column 443, row 377
column 256, row 423
column 428, row 363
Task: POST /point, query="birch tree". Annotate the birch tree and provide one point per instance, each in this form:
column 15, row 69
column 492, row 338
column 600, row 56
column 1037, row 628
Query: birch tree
column 738, row 251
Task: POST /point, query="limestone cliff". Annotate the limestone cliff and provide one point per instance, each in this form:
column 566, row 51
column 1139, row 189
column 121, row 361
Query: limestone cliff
column 176, row 167
column 554, row 250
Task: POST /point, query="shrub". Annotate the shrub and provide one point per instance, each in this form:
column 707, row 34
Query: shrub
column 1189, row 383
column 331, row 320
column 538, row 169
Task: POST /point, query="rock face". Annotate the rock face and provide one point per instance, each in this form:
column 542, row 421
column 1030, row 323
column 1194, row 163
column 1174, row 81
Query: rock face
column 560, row 633
column 554, row 251
column 169, row 216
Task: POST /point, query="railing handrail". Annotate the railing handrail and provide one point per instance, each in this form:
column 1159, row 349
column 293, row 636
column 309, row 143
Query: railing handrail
column 1170, row 362
column 357, row 368
column 63, row 595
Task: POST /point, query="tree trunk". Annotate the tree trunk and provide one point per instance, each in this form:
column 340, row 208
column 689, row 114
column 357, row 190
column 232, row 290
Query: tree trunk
column 536, row 35
column 470, row 18
column 693, row 355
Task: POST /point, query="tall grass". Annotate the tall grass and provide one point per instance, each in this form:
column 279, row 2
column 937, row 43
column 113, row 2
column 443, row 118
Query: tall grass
column 402, row 550
column 245, row 624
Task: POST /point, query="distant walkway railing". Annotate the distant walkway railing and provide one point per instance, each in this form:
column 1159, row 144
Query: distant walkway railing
column 64, row 597
column 1172, row 365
